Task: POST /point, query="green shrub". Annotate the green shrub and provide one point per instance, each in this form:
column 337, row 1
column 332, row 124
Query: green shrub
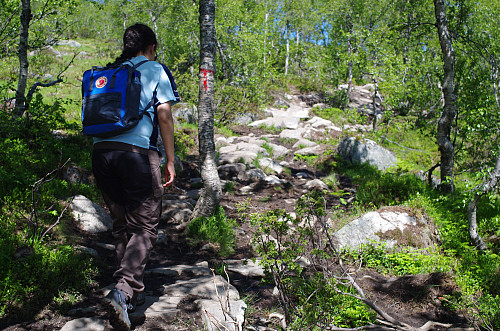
column 382, row 189
column 215, row 229
column 321, row 304
column 29, row 283
column 402, row 261
column 307, row 297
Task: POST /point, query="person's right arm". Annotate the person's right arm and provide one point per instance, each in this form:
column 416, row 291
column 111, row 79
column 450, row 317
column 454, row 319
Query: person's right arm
column 166, row 124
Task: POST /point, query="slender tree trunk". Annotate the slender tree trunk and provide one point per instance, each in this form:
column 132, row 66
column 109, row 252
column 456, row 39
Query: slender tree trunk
column 349, row 67
column 222, row 59
column 20, row 105
column 211, row 192
column 287, row 59
column 494, row 78
column 265, row 37
column 450, row 108
column 488, row 186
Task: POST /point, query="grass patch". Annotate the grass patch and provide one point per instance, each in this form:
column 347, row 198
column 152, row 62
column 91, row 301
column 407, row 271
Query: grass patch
column 217, row 229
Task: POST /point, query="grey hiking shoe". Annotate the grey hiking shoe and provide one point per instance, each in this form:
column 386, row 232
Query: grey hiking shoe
column 117, row 304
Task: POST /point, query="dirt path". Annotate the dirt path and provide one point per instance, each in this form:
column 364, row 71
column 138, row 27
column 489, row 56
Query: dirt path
column 412, row 299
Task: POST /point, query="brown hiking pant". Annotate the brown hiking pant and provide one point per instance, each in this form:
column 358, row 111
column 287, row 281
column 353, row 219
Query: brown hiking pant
column 129, row 178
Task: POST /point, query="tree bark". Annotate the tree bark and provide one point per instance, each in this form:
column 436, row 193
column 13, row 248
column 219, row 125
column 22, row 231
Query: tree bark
column 211, row 192
column 287, row 59
column 20, row 105
column 445, row 145
column 487, row 187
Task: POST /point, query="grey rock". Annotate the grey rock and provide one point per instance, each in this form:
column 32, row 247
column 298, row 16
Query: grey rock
column 250, row 139
column 297, row 133
column 74, row 175
column 246, row 189
column 252, row 175
column 85, row 324
column 281, row 103
column 214, row 317
column 247, row 267
column 70, row 43
column 169, row 204
column 392, row 227
column 268, row 164
column 245, row 119
column 89, row 216
column 109, row 247
column 246, row 147
column 221, row 142
column 230, row 171
column 302, row 143
column 180, row 270
column 164, row 307
column 293, row 111
column 366, row 151
column 316, row 184
column 302, row 175
column 237, row 157
column 318, row 122
column 278, row 122
column 315, row 150
column 278, row 150
column 176, row 216
column 204, row 287
column 88, row 250
column 183, row 112
column 274, row 180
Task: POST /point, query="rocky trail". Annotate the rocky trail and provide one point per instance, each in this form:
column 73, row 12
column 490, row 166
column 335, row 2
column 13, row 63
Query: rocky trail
column 266, row 167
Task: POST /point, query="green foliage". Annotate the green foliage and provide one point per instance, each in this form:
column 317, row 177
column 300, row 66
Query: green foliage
column 309, row 159
column 313, row 298
column 29, row 149
column 402, row 261
column 320, row 301
column 225, row 130
column 48, row 274
column 381, row 189
column 215, row 229
column 184, row 142
column 339, row 116
column 234, row 101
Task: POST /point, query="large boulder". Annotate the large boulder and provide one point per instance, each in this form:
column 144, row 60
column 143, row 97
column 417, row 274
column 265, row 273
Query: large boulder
column 366, row 151
column 183, row 112
column 392, row 226
column 90, row 217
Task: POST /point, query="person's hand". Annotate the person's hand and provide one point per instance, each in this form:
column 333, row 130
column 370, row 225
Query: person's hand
column 169, row 174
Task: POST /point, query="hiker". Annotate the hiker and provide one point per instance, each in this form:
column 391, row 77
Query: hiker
column 127, row 171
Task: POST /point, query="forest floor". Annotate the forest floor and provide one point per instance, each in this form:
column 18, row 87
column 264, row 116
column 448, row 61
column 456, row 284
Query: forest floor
column 410, row 299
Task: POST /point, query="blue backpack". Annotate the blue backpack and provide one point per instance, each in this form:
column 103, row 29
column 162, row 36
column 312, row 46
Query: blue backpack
column 111, row 100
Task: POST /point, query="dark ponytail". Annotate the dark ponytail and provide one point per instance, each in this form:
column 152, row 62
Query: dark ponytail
column 137, row 38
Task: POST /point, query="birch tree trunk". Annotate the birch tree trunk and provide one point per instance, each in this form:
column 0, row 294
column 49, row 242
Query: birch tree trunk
column 487, row 187
column 349, row 68
column 265, row 35
column 450, row 108
column 287, row 59
column 211, row 192
column 20, row 105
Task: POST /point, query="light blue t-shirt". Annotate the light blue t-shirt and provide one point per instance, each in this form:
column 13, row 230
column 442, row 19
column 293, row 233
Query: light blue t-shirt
column 153, row 78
